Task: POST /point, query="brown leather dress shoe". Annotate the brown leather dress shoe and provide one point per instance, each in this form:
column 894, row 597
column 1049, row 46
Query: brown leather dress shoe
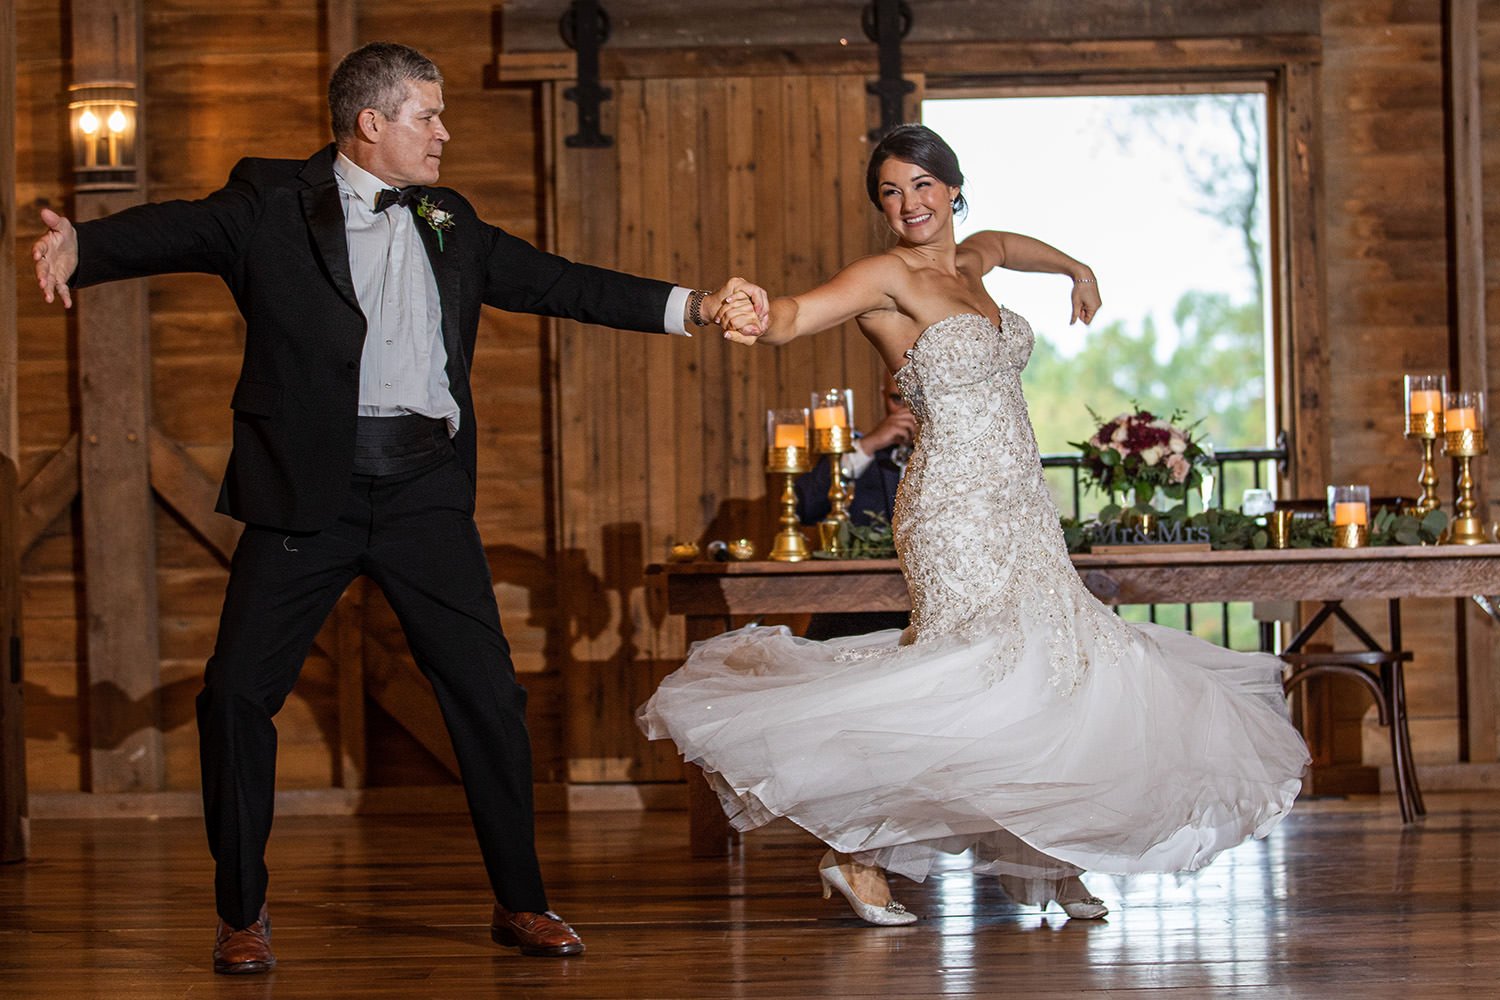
column 244, row 952
column 535, row 933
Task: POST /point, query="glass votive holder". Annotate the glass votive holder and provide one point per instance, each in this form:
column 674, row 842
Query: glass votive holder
column 1349, row 515
column 1425, row 400
column 1257, row 503
column 1463, row 424
column 833, row 420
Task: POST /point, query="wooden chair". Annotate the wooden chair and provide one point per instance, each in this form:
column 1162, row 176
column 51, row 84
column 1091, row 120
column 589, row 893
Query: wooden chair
column 1382, row 672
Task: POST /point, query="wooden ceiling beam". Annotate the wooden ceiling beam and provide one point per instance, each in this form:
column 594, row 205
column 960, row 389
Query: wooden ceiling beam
column 937, row 61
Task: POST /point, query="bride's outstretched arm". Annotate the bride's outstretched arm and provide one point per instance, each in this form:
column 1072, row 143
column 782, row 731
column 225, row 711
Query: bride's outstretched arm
column 859, row 288
column 1017, row 252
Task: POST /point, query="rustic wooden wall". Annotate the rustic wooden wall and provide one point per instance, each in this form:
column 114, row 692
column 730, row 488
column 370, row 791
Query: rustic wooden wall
column 662, row 439
column 1389, row 289
column 246, row 76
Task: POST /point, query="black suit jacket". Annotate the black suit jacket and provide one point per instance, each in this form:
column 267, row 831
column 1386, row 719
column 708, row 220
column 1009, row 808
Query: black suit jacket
column 275, row 234
column 874, row 490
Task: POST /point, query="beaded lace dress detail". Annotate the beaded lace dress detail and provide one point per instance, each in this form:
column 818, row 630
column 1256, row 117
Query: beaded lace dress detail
column 975, row 528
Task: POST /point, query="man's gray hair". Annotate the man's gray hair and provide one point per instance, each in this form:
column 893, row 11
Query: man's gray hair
column 375, row 76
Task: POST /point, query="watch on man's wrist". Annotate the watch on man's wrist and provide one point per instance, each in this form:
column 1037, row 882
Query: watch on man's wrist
column 695, row 307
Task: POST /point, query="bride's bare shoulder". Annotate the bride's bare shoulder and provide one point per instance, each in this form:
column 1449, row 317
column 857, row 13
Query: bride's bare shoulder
column 880, row 267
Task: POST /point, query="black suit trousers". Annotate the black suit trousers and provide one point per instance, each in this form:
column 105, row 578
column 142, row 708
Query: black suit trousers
column 414, row 535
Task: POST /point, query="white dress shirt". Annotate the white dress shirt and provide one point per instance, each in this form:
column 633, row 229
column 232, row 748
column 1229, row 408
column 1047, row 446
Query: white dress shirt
column 402, row 367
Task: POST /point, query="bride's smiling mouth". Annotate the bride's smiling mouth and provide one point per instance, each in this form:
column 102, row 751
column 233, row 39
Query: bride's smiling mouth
column 917, row 220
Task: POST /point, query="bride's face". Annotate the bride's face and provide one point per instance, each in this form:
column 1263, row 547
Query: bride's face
column 917, row 206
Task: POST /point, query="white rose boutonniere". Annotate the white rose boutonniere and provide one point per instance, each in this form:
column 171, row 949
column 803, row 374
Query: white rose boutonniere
column 438, row 219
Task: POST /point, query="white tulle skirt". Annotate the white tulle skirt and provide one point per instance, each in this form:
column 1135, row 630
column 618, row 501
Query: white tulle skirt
column 1168, row 751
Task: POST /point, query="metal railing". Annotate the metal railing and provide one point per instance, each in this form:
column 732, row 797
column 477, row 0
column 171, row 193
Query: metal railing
column 1234, row 472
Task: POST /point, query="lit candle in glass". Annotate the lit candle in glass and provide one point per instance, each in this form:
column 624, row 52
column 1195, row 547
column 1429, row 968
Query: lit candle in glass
column 1349, row 513
column 832, row 421
column 1425, row 401
column 830, row 409
column 786, row 428
column 1425, row 396
column 1461, row 418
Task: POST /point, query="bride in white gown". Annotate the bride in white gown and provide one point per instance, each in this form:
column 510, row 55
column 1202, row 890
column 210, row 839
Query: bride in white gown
column 1017, row 722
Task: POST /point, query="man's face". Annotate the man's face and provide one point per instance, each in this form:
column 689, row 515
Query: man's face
column 894, row 403
column 408, row 149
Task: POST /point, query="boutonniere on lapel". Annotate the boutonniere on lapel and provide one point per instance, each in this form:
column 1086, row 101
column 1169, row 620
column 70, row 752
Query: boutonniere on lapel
column 439, row 220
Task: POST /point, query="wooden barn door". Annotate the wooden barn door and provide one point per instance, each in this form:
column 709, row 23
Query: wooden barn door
column 662, row 439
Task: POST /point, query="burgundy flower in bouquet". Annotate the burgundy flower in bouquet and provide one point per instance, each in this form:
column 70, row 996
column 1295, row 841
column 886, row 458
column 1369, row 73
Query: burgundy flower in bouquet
column 1143, row 452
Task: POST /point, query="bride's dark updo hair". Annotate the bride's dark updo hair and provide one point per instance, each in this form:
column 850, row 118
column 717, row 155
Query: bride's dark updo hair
column 920, row 145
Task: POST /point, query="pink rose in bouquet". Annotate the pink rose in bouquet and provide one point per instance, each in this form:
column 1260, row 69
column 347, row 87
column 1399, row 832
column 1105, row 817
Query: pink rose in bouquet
column 1143, row 452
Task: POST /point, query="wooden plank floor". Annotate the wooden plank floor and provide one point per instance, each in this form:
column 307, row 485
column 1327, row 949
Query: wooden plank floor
column 1341, row 900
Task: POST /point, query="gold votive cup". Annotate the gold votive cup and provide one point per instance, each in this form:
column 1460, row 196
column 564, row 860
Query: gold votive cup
column 1464, row 443
column 1279, row 529
column 741, row 549
column 1428, row 424
column 1351, row 536
column 788, row 461
column 833, row 440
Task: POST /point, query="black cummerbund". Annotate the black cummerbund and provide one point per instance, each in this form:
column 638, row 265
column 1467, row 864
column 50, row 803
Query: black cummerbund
column 386, row 446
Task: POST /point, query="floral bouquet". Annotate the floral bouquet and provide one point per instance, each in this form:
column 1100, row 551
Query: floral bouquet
column 1143, row 452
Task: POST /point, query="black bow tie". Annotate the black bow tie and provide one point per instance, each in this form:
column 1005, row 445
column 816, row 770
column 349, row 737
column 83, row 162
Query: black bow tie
column 396, row 196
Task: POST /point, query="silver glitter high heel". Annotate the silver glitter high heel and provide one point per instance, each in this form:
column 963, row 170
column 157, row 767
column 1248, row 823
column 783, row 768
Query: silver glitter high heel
column 1080, row 904
column 892, row 914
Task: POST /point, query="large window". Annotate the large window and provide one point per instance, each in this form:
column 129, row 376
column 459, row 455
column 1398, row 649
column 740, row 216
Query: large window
column 1165, row 197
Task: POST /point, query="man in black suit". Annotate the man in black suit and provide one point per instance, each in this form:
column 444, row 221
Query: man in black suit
column 361, row 286
column 875, row 467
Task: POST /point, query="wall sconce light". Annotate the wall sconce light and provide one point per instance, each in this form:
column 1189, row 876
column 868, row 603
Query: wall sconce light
column 102, row 122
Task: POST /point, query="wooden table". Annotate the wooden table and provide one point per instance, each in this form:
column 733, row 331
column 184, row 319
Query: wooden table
column 711, row 595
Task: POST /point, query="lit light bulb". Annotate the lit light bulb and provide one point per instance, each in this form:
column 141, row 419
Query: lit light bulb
column 88, row 122
column 117, row 121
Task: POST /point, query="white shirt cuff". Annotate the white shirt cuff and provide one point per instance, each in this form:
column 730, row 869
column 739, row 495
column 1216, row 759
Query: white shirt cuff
column 855, row 463
column 676, row 306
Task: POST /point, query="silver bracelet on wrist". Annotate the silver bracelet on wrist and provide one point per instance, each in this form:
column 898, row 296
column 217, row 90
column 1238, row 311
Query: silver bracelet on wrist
column 695, row 302
column 1083, row 281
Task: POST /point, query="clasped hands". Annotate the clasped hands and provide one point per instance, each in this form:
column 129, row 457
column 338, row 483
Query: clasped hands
column 742, row 311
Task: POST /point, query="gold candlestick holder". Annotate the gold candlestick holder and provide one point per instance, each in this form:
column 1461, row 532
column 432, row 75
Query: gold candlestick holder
column 789, row 545
column 835, row 442
column 832, row 417
column 1465, row 446
column 1424, row 397
column 1463, row 439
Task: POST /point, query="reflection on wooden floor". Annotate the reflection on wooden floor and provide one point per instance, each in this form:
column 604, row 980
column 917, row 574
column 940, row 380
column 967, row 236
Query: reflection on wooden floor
column 1340, row 898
